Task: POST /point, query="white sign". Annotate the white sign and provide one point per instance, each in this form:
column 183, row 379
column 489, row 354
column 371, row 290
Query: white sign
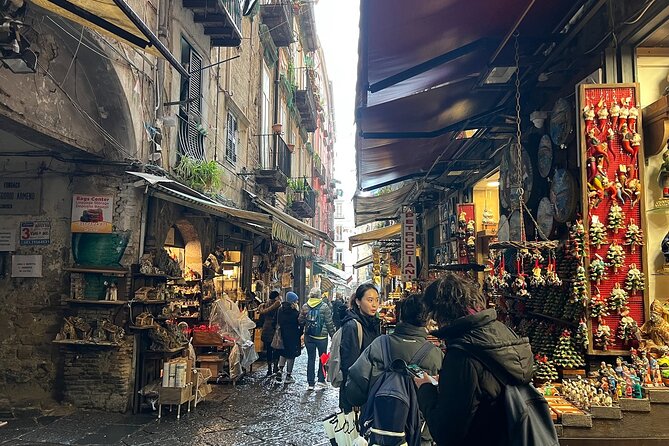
column 92, row 213
column 35, row 233
column 409, row 262
column 7, row 240
column 20, row 196
column 27, row 266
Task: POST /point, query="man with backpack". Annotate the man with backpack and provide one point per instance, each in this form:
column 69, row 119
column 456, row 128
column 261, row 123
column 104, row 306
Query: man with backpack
column 483, row 396
column 371, row 381
column 316, row 317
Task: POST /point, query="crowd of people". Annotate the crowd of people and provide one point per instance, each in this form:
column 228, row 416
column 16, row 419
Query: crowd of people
column 457, row 396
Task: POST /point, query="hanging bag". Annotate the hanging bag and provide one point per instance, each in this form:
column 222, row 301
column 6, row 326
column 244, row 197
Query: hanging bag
column 277, row 340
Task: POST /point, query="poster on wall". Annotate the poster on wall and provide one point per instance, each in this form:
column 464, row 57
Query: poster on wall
column 35, row 233
column 409, row 263
column 27, row 266
column 20, row 196
column 7, row 240
column 92, row 213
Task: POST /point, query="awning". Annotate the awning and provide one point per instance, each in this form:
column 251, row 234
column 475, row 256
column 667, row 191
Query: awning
column 112, row 18
column 175, row 192
column 421, row 71
column 288, row 220
column 385, row 233
column 380, row 207
column 363, row 262
column 334, row 272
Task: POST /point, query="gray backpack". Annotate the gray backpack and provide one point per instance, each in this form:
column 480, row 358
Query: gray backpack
column 334, row 373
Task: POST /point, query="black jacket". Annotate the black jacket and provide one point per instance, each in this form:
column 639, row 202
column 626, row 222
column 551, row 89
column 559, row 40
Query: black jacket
column 291, row 330
column 466, row 408
column 269, row 309
column 350, row 348
column 338, row 312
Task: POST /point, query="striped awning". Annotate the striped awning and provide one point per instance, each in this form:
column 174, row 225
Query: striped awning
column 363, row 262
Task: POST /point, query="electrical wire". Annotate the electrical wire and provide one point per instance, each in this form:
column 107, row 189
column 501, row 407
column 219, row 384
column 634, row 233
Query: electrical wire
column 632, row 22
column 74, row 57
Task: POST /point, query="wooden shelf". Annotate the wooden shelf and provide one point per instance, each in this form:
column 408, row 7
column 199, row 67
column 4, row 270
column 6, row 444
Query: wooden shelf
column 148, row 302
column 96, row 302
column 140, row 327
column 86, row 343
column 172, row 350
column 97, row 270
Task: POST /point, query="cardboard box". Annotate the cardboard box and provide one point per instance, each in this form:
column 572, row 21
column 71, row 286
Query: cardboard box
column 175, row 395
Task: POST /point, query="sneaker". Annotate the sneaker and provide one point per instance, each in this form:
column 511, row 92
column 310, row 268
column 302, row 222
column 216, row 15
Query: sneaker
column 289, row 379
column 310, row 387
column 321, row 385
column 278, row 378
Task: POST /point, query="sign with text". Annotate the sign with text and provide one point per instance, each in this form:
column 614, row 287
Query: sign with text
column 27, row 266
column 7, row 240
column 35, row 233
column 20, row 196
column 409, row 262
column 92, row 213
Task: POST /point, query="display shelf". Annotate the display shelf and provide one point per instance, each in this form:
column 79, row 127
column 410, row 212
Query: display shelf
column 140, row 327
column 168, row 351
column 158, row 276
column 165, row 318
column 86, row 343
column 96, row 302
column 551, row 318
column 148, row 302
column 96, row 270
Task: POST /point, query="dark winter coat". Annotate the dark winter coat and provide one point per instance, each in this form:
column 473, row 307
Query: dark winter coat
column 466, row 408
column 338, row 312
column 291, row 330
column 350, row 348
column 325, row 313
column 405, row 342
column 269, row 310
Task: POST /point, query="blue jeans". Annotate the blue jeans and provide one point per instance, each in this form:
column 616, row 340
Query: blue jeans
column 312, row 345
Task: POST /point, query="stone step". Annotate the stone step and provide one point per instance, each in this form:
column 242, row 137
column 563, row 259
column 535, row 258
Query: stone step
column 576, row 420
column 657, row 395
column 606, row 413
column 635, row 404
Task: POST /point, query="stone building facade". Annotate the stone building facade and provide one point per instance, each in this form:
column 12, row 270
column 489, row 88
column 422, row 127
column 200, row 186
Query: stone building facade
column 97, row 108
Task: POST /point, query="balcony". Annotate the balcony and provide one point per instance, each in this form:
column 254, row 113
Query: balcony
column 302, row 198
column 221, row 19
column 278, row 16
column 305, row 99
column 308, row 26
column 275, row 158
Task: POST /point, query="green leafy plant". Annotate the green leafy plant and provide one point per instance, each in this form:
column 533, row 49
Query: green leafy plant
column 201, row 175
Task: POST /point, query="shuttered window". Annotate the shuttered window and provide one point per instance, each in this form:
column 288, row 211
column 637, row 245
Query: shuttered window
column 232, row 138
column 192, row 128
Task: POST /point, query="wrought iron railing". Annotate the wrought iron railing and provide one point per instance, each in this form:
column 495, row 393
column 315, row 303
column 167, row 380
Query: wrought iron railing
column 301, row 190
column 275, row 154
column 235, row 10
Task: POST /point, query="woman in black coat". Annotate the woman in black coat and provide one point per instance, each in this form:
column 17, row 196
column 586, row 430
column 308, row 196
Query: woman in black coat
column 269, row 310
column 291, row 333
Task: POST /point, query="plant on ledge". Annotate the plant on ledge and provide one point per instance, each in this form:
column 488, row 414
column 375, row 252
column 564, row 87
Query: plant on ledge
column 201, row 175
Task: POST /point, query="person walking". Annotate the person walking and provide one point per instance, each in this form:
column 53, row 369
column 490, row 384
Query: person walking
column 466, row 407
column 359, row 318
column 269, row 311
column 291, row 332
column 338, row 310
column 409, row 337
column 316, row 317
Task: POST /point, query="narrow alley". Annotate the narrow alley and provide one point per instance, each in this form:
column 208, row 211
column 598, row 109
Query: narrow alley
column 256, row 411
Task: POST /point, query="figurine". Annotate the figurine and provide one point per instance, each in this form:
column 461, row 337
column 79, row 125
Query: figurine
column 624, row 113
column 632, row 117
column 614, row 111
column 589, row 117
column 665, row 248
column 655, row 331
column 663, row 175
column 603, row 116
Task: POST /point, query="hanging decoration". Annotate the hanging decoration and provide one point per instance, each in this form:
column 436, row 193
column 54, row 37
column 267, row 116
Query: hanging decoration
column 597, row 232
column 628, row 329
column 577, row 239
column 634, row 281
column 597, row 269
column 602, row 339
column 616, row 217
column 579, row 288
column 564, row 355
column 581, row 340
column 618, row 299
column 598, row 306
column 537, row 279
column 544, row 369
column 633, row 236
column 615, row 256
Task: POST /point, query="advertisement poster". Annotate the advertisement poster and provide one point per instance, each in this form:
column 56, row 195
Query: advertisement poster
column 35, row 233
column 409, row 262
column 27, row 266
column 7, row 240
column 92, row 213
column 20, row 196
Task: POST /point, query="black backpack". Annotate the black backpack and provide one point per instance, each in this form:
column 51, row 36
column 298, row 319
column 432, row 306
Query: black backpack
column 390, row 416
column 528, row 418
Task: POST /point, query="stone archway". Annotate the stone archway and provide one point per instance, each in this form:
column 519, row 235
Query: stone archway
column 192, row 244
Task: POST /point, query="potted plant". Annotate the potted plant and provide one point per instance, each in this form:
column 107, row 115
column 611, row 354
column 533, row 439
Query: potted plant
column 291, row 147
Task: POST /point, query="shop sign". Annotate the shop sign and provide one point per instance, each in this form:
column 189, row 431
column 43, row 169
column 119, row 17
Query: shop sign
column 92, row 213
column 35, row 233
column 20, row 196
column 27, row 266
column 409, row 262
column 7, row 240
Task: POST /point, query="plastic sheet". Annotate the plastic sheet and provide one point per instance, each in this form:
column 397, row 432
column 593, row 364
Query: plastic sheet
column 234, row 324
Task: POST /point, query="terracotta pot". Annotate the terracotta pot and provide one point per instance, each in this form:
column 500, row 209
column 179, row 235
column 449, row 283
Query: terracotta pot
column 291, row 147
column 276, row 128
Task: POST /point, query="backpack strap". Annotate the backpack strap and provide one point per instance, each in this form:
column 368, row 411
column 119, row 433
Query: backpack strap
column 385, row 352
column 359, row 325
column 422, row 352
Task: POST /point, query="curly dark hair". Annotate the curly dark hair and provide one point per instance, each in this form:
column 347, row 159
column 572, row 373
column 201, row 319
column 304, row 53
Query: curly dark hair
column 453, row 296
column 412, row 310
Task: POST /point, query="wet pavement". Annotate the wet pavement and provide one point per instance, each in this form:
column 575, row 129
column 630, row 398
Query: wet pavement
column 255, row 412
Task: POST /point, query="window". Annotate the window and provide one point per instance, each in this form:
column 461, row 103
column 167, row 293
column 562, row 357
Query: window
column 339, row 210
column 191, row 128
column 231, row 138
column 339, row 255
column 265, row 121
column 339, row 233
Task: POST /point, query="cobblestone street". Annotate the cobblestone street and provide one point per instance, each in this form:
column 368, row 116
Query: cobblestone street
column 254, row 412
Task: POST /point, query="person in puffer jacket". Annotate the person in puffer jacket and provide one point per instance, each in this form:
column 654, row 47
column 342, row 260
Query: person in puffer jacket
column 316, row 318
column 269, row 311
column 467, row 407
column 409, row 336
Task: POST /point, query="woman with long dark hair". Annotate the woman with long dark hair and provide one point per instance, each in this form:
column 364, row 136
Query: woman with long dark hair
column 291, row 332
column 269, row 311
column 359, row 328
